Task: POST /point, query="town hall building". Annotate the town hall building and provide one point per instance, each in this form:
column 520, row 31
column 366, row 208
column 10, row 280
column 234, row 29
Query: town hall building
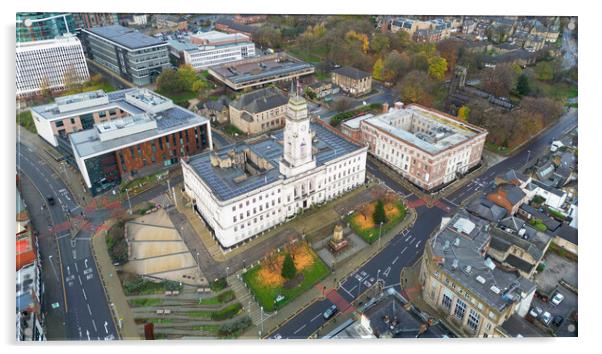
column 244, row 189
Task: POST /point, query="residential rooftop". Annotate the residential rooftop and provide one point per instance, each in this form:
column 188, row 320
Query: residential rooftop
column 351, row 72
column 459, row 250
column 260, row 100
column 427, row 129
column 228, row 183
column 125, row 37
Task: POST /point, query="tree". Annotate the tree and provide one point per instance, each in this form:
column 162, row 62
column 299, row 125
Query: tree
column 288, row 267
column 449, row 49
column 342, row 104
column 544, row 71
column 437, row 67
column 187, row 76
column 380, row 43
column 310, row 94
column 463, row 113
column 377, row 69
column 379, row 215
column 416, row 87
column 268, row 36
column 395, row 66
column 522, row 86
column 200, row 85
column 500, row 80
column 365, row 210
column 361, row 37
column 168, row 82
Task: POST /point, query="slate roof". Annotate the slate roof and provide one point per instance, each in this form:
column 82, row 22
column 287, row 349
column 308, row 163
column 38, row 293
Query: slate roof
column 260, row 100
column 550, row 189
column 550, row 223
column 513, row 223
column 486, row 209
column 351, row 72
column 458, row 251
column 568, row 233
column 516, row 326
column 535, row 246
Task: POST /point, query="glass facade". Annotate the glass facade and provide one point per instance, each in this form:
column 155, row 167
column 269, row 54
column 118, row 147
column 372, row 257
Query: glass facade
column 103, row 172
column 43, row 25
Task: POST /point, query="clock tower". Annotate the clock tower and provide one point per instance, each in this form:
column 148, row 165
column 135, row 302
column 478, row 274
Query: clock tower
column 297, row 140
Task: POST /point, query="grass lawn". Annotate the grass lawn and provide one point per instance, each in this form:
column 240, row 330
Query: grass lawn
column 222, row 298
column 561, row 90
column 145, row 302
column 502, row 150
column 209, row 301
column 207, row 328
column 266, row 292
column 365, row 228
column 140, row 286
column 227, row 312
column 180, row 98
column 135, row 183
column 25, row 120
column 232, row 130
column 538, row 225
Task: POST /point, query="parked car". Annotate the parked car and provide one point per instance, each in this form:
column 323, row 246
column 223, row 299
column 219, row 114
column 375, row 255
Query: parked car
column 557, row 299
column 546, row 318
column 50, row 200
column 330, row 312
column 557, row 321
column 278, row 336
column 535, row 312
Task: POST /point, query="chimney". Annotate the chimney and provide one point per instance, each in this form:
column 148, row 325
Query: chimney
column 385, row 107
column 398, row 105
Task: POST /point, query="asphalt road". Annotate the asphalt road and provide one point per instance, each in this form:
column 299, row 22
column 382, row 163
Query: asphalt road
column 86, row 313
column 404, row 249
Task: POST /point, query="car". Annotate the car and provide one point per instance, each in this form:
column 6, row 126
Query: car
column 546, row 318
column 278, row 336
column 557, row 299
column 50, row 200
column 330, row 312
column 557, row 320
column 535, row 312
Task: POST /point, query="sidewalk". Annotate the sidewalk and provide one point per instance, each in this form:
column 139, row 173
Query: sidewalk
column 122, row 314
column 342, row 271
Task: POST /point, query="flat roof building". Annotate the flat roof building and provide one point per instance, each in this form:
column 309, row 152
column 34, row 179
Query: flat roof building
column 39, row 26
column 158, row 136
column 427, row 147
column 51, row 64
column 244, row 189
column 258, row 71
column 133, row 55
column 205, row 49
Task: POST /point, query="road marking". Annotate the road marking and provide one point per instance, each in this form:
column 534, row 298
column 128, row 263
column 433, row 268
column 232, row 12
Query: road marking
column 418, row 243
column 313, row 319
column 85, row 297
column 63, row 236
column 387, row 271
column 94, row 325
column 80, row 279
column 299, row 329
column 350, row 294
column 395, row 260
column 413, row 239
column 89, row 310
column 88, row 334
column 76, row 269
column 403, row 250
column 355, row 286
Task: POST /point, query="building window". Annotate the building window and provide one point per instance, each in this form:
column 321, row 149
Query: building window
column 460, row 309
column 446, row 302
column 473, row 319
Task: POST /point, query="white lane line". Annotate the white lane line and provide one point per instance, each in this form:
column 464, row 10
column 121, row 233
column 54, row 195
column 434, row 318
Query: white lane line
column 395, row 260
column 313, row 319
column 403, row 250
column 94, row 325
column 355, row 286
column 85, row 297
column 89, row 310
column 76, row 269
column 418, row 243
column 80, row 279
column 350, row 294
column 299, row 329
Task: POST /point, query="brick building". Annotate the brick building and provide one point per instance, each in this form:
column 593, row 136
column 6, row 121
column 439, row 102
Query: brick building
column 259, row 111
column 353, row 81
column 427, row 147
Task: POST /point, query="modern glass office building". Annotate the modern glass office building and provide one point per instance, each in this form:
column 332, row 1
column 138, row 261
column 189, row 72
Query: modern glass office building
column 134, row 56
column 37, row 26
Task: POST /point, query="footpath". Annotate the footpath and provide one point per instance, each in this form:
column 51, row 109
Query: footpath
column 273, row 321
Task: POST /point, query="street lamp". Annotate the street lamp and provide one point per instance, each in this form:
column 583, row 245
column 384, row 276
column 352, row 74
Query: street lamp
column 528, row 156
column 227, row 268
column 127, row 192
column 378, row 275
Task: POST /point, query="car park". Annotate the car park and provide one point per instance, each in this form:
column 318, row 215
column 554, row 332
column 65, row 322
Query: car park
column 557, row 299
column 330, row 312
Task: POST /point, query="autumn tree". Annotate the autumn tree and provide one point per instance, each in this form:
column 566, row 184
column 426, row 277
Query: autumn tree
column 377, row 69
column 449, row 49
column 463, row 113
column 416, row 87
column 500, row 80
column 168, row 82
column 380, row 43
column 187, row 76
column 544, row 71
column 437, row 67
column 365, row 210
column 268, row 36
column 396, row 64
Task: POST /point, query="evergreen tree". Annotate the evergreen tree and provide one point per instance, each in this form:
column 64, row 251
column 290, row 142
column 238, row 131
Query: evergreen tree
column 522, row 86
column 379, row 213
column 288, row 267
